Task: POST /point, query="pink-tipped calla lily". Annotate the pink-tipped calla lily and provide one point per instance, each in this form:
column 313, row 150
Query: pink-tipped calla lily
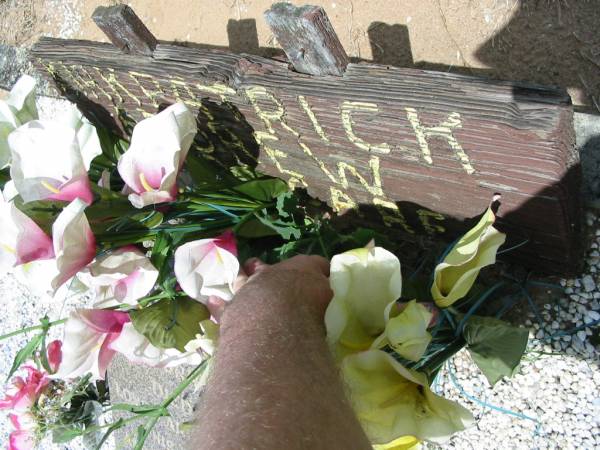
column 73, row 241
column 208, row 267
column 122, row 276
column 47, row 163
column 159, row 146
column 87, row 342
column 24, row 437
column 21, row 239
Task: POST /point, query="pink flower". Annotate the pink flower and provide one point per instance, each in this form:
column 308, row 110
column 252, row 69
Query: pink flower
column 54, row 352
column 21, row 239
column 86, row 342
column 159, row 146
column 24, row 435
column 73, row 241
column 208, row 267
column 122, row 276
column 25, row 392
column 47, row 163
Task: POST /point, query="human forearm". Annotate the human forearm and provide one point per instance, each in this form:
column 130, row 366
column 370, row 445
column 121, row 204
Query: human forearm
column 274, row 384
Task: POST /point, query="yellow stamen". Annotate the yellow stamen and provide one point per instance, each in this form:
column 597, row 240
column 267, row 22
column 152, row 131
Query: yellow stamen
column 145, row 183
column 219, row 257
column 8, row 249
column 50, row 187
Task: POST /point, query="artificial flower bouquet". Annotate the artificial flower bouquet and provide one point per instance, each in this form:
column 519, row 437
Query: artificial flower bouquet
column 151, row 229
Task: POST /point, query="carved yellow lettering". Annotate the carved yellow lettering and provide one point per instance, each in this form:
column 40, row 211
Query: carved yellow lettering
column 313, row 119
column 219, row 89
column 178, row 83
column 347, row 109
column 340, row 201
column 425, row 217
column 110, row 78
column 151, row 94
column 256, row 93
column 391, row 214
column 443, row 130
column 295, row 178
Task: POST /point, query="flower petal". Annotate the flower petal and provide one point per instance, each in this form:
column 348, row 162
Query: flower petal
column 391, row 401
column 454, row 277
column 73, row 241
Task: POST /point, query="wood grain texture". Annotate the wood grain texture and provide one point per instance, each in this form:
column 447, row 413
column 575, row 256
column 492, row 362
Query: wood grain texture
column 308, row 39
column 125, row 29
column 422, row 150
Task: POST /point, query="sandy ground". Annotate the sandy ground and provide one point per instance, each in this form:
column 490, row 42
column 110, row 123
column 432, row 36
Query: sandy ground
column 542, row 41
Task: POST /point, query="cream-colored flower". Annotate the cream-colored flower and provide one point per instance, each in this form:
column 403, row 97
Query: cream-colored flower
column 454, row 277
column 391, row 401
column 407, row 332
column 364, row 282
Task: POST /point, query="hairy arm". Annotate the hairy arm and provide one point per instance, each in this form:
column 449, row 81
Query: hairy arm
column 274, row 384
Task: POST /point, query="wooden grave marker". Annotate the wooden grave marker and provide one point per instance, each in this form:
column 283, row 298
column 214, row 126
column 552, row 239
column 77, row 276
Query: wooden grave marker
column 420, row 150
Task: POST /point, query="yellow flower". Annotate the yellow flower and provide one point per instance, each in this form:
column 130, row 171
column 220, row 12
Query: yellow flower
column 402, row 443
column 407, row 332
column 364, row 282
column 454, row 277
column 391, row 401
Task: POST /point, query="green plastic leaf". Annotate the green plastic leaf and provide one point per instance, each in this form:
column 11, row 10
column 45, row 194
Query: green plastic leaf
column 25, row 353
column 264, row 190
column 287, row 230
column 495, row 346
column 170, row 323
column 254, row 228
column 64, row 433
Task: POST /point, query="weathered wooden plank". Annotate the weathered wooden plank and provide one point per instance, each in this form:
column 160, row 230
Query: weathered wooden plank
column 421, row 150
column 125, row 29
column 308, row 39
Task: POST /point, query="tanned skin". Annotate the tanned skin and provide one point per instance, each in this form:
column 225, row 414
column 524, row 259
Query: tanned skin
column 274, row 384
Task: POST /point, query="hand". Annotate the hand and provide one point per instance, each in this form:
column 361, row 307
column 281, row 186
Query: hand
column 300, row 282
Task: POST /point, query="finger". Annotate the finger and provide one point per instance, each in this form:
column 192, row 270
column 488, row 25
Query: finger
column 216, row 306
column 253, row 265
column 240, row 280
column 311, row 263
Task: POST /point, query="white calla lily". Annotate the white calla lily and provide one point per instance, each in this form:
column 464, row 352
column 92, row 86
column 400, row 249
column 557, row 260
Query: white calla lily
column 73, row 241
column 364, row 282
column 407, row 332
column 207, row 340
column 159, row 146
column 21, row 239
column 15, row 111
column 87, row 342
column 138, row 350
column 47, row 163
column 391, row 401
column 208, row 267
column 122, row 276
column 87, row 136
column 454, row 277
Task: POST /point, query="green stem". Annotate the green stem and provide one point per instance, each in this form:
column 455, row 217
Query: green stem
column 33, row 328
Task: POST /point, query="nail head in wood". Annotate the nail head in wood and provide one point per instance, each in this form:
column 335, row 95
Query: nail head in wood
column 125, row 29
column 306, row 36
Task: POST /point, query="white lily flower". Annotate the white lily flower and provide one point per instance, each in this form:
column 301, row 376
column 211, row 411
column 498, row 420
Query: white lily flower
column 122, row 276
column 391, row 401
column 47, row 163
column 406, row 332
column 17, row 110
column 364, row 282
column 207, row 340
column 454, row 277
column 87, row 136
column 21, row 239
column 138, row 350
column 87, row 342
column 73, row 241
column 208, row 267
column 159, row 146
